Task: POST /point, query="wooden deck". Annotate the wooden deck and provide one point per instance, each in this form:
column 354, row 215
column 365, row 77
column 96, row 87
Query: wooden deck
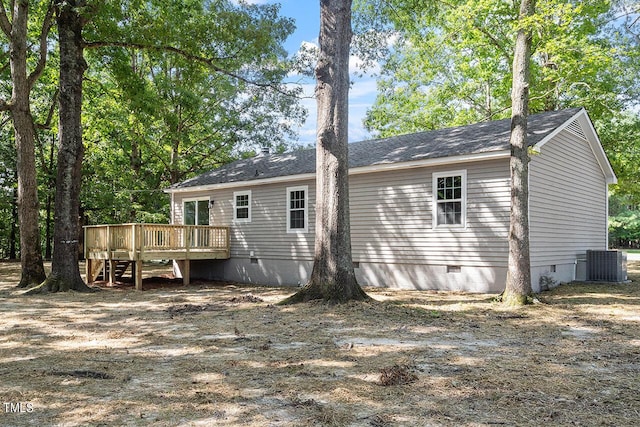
column 141, row 242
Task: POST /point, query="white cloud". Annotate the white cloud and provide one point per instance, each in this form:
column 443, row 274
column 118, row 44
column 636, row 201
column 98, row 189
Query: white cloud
column 310, row 45
column 366, row 87
column 356, row 66
column 361, row 96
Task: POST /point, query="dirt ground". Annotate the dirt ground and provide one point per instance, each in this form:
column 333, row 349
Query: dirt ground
column 224, row 354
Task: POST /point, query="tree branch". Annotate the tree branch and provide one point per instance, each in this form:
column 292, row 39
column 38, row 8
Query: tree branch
column 187, row 55
column 505, row 53
column 5, row 25
column 52, row 109
column 44, row 35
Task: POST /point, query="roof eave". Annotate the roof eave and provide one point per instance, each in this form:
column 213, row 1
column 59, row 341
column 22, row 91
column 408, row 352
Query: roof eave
column 382, row 167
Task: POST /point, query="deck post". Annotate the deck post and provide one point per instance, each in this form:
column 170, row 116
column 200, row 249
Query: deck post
column 186, row 272
column 108, row 262
column 134, row 242
column 112, row 270
column 138, row 274
column 142, row 240
column 108, row 237
column 84, row 244
column 188, row 239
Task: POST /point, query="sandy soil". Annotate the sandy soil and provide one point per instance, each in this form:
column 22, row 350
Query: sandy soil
column 224, row 354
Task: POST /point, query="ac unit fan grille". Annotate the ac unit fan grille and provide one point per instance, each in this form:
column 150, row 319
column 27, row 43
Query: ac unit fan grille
column 606, row 266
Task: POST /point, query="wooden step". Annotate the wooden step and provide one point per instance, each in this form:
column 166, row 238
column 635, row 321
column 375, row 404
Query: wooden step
column 120, row 269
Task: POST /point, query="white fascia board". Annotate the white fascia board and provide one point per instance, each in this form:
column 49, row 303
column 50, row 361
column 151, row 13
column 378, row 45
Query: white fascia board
column 502, row 154
column 598, row 150
column 275, row 180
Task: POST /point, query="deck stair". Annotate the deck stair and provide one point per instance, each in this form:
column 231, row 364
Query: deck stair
column 120, row 268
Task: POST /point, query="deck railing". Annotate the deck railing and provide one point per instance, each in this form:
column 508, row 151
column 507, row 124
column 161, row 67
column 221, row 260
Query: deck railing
column 112, row 241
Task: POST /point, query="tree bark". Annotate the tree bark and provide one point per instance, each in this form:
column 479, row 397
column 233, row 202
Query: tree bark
column 48, row 246
column 14, row 226
column 28, row 205
column 48, row 239
column 333, row 278
column 518, row 287
column 65, row 271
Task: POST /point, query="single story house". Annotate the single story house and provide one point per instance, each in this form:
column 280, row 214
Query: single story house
column 429, row 210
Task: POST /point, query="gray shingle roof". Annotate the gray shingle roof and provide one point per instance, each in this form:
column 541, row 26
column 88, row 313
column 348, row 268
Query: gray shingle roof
column 464, row 140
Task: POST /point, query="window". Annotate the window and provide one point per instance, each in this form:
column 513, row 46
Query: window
column 242, row 206
column 297, row 209
column 450, row 193
column 196, row 212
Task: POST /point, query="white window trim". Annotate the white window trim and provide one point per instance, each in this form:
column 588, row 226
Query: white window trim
column 196, row 199
column 434, row 198
column 304, row 188
column 235, row 207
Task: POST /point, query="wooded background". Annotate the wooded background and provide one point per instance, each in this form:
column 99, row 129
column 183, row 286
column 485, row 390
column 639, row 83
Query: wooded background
column 176, row 88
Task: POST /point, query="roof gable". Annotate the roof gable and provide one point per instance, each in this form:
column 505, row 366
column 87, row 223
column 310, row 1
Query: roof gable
column 580, row 125
column 477, row 139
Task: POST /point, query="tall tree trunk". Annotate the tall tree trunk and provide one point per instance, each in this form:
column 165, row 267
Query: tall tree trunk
column 14, row 226
column 333, row 278
column 65, row 271
column 518, row 286
column 28, row 206
column 48, row 247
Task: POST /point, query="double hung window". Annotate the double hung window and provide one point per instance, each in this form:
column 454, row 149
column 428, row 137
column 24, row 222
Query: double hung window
column 242, row 206
column 297, row 209
column 449, row 204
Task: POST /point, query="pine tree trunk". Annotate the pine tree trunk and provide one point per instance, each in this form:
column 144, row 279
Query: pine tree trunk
column 65, row 271
column 333, row 278
column 518, row 287
column 28, row 206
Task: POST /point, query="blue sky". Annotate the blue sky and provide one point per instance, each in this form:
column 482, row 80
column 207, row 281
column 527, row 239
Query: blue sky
column 306, row 14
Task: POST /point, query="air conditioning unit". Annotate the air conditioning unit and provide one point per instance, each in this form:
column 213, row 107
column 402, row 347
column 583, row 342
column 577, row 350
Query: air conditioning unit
column 606, row 266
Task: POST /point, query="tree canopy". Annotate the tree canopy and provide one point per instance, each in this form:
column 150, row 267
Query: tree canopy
column 452, row 65
column 173, row 88
column 449, row 64
column 176, row 88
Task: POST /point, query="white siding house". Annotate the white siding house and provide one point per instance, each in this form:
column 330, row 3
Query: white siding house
column 428, row 210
